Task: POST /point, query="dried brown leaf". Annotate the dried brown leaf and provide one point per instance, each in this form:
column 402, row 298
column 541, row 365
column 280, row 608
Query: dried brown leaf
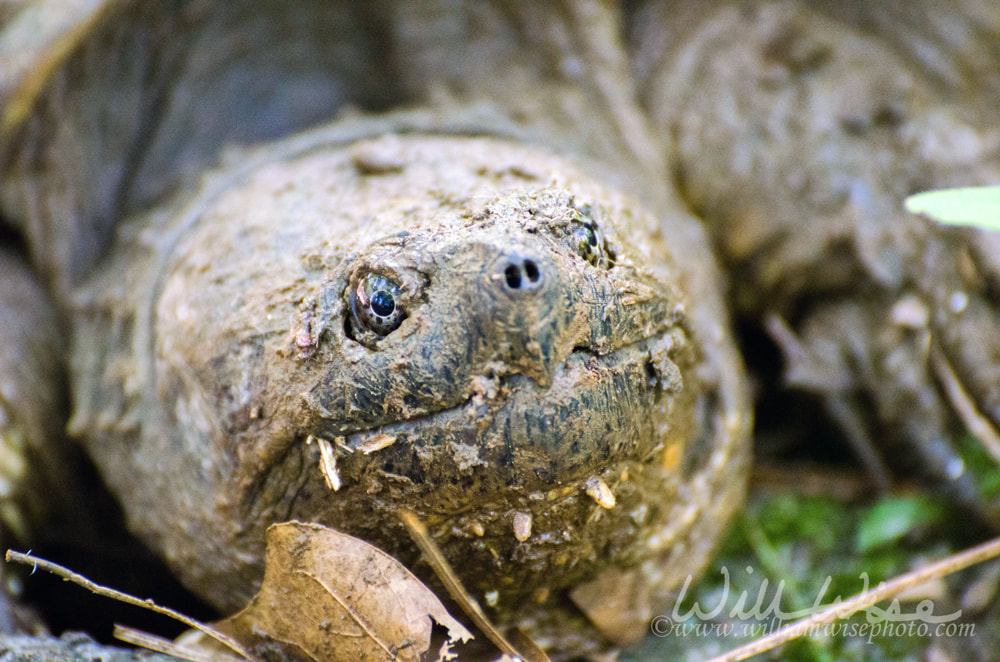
column 329, row 596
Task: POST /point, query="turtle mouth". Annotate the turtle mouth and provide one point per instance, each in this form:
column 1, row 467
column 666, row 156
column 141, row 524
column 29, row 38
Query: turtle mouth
column 598, row 407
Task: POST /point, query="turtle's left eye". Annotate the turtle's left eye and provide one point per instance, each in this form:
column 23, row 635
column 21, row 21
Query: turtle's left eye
column 376, row 304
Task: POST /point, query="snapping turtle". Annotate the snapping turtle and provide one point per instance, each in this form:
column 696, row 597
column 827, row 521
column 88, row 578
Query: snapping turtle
column 493, row 308
column 488, row 311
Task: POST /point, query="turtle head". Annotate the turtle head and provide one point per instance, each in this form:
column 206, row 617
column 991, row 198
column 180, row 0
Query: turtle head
column 515, row 337
column 466, row 328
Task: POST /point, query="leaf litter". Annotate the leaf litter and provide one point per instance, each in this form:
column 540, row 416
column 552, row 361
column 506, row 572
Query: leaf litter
column 329, row 596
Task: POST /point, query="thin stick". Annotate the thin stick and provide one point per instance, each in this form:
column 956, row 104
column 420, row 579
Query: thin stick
column 851, row 606
column 68, row 575
column 980, row 426
column 458, row 593
column 168, row 647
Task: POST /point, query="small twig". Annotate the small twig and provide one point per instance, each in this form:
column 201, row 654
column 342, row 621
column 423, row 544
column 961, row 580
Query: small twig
column 68, row 575
column 852, row 605
column 168, row 647
column 441, row 567
column 980, row 427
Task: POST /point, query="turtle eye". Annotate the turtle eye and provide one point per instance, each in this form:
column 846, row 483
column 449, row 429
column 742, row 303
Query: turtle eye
column 377, row 304
column 590, row 243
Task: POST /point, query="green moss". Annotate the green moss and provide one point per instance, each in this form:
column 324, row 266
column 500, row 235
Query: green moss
column 893, row 517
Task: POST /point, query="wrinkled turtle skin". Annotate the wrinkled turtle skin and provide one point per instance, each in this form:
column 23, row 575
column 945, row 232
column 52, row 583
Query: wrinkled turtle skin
column 458, row 247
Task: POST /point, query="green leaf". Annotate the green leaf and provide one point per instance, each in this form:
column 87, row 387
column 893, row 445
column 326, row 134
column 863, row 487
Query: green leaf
column 978, row 206
column 892, row 518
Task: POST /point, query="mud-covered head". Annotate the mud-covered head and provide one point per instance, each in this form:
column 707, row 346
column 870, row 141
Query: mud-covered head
column 466, row 328
column 511, row 340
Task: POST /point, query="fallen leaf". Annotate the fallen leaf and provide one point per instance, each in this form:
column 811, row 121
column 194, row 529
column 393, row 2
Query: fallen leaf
column 329, row 596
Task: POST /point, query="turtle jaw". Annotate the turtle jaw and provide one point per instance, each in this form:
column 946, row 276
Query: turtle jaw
column 516, row 434
column 580, row 461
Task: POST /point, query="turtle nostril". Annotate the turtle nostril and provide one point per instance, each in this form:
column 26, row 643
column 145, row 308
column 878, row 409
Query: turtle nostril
column 521, row 274
column 531, row 270
column 513, row 276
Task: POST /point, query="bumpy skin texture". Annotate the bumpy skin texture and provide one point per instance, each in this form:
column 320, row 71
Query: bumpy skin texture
column 797, row 139
column 494, row 399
